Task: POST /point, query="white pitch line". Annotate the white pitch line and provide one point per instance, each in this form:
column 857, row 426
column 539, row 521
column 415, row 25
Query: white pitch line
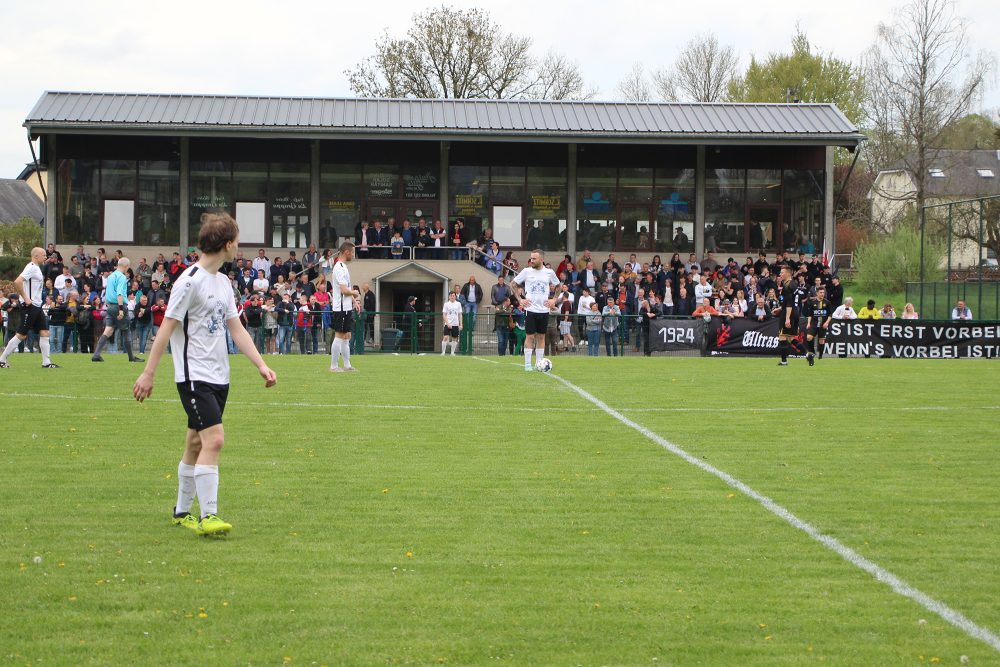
column 278, row 404
column 932, row 605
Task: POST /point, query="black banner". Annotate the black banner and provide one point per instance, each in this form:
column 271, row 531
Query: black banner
column 748, row 337
column 913, row 339
column 673, row 335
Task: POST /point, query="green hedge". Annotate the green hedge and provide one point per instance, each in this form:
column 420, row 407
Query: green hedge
column 11, row 267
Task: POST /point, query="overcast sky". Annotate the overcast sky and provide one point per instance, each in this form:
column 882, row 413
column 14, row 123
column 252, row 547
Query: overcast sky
column 302, row 48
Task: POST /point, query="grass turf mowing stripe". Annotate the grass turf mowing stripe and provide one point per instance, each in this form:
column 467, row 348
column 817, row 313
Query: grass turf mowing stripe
column 901, row 587
column 295, row 404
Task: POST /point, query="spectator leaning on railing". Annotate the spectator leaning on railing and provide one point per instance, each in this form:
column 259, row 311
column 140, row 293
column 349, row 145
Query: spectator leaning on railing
column 961, row 311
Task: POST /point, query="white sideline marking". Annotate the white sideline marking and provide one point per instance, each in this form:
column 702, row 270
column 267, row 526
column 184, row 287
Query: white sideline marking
column 950, row 615
column 278, row 404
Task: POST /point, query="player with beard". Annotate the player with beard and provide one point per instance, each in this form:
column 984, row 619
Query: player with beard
column 537, row 281
column 818, row 313
column 788, row 314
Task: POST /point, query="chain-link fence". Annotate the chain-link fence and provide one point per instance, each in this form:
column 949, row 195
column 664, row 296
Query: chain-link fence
column 981, row 297
column 484, row 333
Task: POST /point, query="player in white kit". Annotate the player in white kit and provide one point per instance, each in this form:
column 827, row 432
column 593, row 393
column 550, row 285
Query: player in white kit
column 538, row 281
column 452, row 313
column 344, row 301
column 29, row 286
column 200, row 311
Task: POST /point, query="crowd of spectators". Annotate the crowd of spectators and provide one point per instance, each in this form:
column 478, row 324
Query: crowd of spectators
column 285, row 302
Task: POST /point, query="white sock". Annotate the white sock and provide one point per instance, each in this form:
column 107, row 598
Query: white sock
column 43, row 345
column 539, row 354
column 444, row 346
column 335, row 353
column 206, row 480
column 345, row 352
column 185, row 488
column 11, row 346
column 454, row 346
column 527, row 356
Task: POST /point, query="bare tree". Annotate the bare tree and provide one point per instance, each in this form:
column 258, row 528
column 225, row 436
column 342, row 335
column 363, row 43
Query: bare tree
column 702, row 72
column 921, row 79
column 635, row 86
column 454, row 53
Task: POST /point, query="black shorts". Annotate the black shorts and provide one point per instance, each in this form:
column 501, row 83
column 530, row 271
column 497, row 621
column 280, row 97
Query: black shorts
column 111, row 318
column 791, row 331
column 536, row 323
column 451, row 331
column 33, row 319
column 817, row 332
column 203, row 402
column 343, row 321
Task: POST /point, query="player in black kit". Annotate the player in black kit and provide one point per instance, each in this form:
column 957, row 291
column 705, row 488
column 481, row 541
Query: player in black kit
column 788, row 315
column 818, row 313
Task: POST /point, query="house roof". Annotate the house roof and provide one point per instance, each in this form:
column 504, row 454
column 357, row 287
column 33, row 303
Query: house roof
column 18, row 200
column 820, row 124
column 960, row 172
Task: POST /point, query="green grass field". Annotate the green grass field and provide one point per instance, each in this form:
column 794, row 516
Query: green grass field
column 434, row 510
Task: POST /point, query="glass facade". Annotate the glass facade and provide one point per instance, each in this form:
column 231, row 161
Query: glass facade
column 627, row 198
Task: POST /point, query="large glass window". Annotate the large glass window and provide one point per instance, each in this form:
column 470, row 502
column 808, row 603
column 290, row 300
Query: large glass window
column 596, row 226
column 468, row 192
column 674, row 197
column 159, row 203
column 546, row 207
column 382, row 181
column 725, row 209
column 635, row 192
column 211, row 185
column 289, row 205
column 803, row 199
column 506, row 185
column 420, row 182
column 340, row 203
column 118, row 179
column 78, row 197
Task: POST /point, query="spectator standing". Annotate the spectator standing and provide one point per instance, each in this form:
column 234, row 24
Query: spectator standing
column 472, row 292
column 611, row 316
column 503, row 326
column 143, row 322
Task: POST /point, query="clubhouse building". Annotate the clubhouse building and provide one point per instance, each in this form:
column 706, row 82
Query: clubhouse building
column 138, row 170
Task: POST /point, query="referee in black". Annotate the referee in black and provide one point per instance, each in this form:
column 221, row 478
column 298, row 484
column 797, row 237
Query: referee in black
column 789, row 315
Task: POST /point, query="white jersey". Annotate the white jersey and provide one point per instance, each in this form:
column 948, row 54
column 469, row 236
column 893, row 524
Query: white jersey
column 202, row 302
column 452, row 313
column 536, row 287
column 33, row 281
column 338, row 300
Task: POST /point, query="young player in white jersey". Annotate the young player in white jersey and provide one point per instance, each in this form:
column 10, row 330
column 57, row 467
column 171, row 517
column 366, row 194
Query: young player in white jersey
column 344, row 301
column 537, row 281
column 201, row 308
column 29, row 286
column 452, row 312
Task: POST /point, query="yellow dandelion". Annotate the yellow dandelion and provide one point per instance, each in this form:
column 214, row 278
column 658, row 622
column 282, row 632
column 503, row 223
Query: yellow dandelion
column 762, row 625
column 409, row 554
column 935, row 659
column 767, row 638
column 72, row 598
column 287, row 658
column 731, row 495
column 225, row 603
column 62, row 563
column 202, row 614
column 386, row 490
column 72, row 430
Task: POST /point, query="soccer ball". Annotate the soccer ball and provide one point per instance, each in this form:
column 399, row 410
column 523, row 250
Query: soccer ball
column 543, row 366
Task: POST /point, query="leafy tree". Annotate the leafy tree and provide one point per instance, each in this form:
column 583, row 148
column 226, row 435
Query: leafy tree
column 455, row 53
column 18, row 239
column 921, row 80
column 970, row 132
column 802, row 76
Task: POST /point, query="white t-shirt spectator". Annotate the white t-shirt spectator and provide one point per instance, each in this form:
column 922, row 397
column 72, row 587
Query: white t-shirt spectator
column 583, row 307
column 844, row 313
column 702, row 291
column 261, row 285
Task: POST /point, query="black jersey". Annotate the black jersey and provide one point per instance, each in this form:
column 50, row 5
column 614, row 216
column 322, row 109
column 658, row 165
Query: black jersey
column 819, row 310
column 801, row 295
column 789, row 298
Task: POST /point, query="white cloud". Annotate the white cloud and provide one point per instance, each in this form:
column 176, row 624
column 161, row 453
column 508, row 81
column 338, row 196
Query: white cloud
column 303, row 48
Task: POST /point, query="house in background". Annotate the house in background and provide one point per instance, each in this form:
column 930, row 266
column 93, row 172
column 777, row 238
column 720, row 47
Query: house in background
column 952, row 176
column 34, row 177
column 17, row 201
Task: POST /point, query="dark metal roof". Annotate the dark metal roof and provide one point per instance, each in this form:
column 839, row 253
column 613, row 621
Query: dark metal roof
column 963, row 173
column 18, row 200
column 445, row 118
